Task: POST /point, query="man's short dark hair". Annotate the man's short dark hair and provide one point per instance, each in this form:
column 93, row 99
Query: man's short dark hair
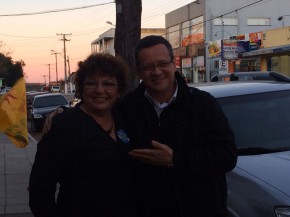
column 150, row 41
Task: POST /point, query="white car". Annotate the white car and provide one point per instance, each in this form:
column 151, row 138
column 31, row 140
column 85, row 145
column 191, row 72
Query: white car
column 4, row 90
column 55, row 89
column 258, row 113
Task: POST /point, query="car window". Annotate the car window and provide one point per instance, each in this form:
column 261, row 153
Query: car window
column 259, row 120
column 49, row 101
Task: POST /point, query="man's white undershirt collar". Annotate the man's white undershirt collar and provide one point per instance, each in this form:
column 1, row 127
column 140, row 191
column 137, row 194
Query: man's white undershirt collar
column 160, row 106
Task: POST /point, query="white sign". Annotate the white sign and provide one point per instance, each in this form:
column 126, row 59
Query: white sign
column 223, row 66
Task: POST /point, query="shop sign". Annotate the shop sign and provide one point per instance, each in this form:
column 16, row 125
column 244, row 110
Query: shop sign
column 254, row 46
column 282, row 49
column 229, row 49
column 196, row 38
column 177, row 61
column 243, row 46
column 214, row 48
column 255, row 37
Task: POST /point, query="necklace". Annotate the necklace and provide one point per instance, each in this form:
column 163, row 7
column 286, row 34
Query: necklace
column 109, row 131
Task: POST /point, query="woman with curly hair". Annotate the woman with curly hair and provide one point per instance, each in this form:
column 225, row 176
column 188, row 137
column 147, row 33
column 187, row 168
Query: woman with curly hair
column 85, row 152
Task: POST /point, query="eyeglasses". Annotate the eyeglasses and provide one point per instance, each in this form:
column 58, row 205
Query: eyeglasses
column 150, row 68
column 106, row 85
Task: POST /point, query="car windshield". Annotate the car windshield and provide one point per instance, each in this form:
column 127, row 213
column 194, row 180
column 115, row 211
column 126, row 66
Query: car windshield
column 261, row 122
column 49, row 101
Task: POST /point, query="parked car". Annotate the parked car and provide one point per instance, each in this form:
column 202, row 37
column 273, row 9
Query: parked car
column 29, row 99
column 4, row 90
column 258, row 113
column 248, row 76
column 55, row 89
column 42, row 105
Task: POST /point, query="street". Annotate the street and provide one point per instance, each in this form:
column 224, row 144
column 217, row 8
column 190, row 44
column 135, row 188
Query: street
column 36, row 135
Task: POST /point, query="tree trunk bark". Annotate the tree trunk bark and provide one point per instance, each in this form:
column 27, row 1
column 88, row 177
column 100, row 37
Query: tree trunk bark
column 128, row 33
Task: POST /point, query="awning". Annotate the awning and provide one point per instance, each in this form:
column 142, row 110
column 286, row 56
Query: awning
column 264, row 51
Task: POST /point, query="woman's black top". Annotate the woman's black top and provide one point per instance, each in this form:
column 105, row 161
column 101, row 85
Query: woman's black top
column 90, row 167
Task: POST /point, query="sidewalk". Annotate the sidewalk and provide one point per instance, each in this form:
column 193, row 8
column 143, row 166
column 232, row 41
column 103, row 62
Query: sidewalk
column 15, row 167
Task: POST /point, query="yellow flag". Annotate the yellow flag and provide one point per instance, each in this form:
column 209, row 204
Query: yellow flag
column 13, row 117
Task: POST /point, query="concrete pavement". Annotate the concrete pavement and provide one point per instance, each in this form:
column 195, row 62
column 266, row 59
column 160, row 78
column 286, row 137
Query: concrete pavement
column 15, row 167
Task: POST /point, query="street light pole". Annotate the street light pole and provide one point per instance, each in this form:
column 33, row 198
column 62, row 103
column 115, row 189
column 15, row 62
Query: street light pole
column 281, row 18
column 110, row 23
column 48, row 74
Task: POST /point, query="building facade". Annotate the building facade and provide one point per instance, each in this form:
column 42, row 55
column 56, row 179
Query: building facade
column 245, row 33
column 185, row 31
column 105, row 42
column 220, row 36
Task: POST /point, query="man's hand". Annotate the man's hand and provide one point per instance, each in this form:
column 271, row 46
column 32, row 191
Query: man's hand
column 48, row 120
column 160, row 154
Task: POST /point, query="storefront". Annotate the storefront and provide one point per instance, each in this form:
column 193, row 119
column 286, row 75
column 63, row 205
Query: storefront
column 261, row 51
column 198, row 69
column 269, row 59
column 187, row 69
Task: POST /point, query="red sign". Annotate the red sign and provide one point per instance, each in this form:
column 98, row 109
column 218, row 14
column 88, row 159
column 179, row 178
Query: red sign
column 177, row 61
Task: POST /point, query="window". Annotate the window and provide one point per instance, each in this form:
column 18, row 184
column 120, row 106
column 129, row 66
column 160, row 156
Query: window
column 216, row 64
column 192, row 32
column 173, row 36
column 269, row 112
column 49, row 101
column 228, row 21
column 258, row 22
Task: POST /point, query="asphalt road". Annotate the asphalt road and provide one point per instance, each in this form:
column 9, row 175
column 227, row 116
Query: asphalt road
column 36, row 135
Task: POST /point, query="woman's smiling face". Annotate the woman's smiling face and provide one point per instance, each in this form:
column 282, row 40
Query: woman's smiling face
column 100, row 92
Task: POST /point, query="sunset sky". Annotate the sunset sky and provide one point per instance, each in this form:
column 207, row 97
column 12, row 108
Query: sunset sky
column 31, row 37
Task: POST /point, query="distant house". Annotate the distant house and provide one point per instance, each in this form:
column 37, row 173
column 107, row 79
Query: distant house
column 105, row 42
column 34, row 87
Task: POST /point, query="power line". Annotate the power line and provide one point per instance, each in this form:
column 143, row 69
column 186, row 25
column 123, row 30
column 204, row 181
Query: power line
column 43, row 37
column 53, row 11
column 17, row 36
column 218, row 16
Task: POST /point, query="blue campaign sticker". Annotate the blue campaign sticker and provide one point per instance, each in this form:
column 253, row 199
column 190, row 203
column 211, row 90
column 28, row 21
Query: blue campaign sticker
column 123, row 136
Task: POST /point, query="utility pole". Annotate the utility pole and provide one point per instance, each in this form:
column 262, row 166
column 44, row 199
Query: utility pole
column 56, row 74
column 64, row 54
column 48, row 73
column 44, row 79
column 68, row 66
column 128, row 33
